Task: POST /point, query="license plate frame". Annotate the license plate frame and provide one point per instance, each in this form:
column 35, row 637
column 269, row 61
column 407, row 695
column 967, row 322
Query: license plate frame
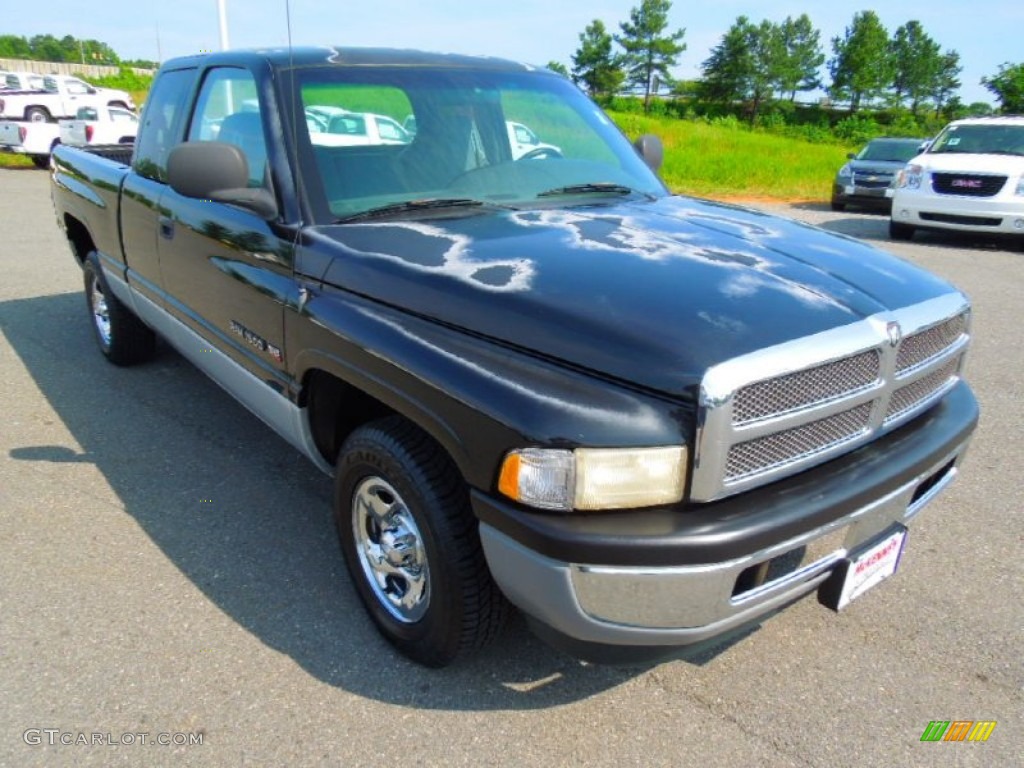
column 865, row 569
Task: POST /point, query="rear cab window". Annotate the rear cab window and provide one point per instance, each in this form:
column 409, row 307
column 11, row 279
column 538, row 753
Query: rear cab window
column 163, row 113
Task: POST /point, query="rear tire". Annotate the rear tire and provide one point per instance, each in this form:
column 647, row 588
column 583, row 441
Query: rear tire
column 411, row 543
column 41, row 161
column 898, row 231
column 122, row 337
column 37, row 115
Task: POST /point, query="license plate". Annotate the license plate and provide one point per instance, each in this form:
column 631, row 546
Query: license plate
column 850, row 189
column 864, row 570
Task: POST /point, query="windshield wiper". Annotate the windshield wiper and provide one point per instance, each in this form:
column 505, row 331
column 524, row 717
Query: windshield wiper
column 600, row 187
column 412, row 206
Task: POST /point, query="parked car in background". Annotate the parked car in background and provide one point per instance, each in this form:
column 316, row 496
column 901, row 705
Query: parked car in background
column 337, row 127
column 59, row 97
column 34, row 140
column 521, row 139
column 524, row 141
column 105, row 125
column 864, row 179
column 970, row 179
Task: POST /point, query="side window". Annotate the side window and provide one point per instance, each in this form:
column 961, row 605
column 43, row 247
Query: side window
column 163, row 110
column 523, row 136
column 391, row 130
column 228, row 110
column 77, row 87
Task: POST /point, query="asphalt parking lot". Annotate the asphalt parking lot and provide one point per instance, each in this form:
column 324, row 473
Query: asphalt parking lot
column 168, row 567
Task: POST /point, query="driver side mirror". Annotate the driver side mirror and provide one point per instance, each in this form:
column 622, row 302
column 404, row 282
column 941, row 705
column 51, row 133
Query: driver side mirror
column 214, row 170
column 650, row 148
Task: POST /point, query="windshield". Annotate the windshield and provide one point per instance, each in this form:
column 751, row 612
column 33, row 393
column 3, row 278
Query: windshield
column 387, row 135
column 891, row 150
column 981, row 140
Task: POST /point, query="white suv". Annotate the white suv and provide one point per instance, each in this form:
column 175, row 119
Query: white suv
column 971, row 178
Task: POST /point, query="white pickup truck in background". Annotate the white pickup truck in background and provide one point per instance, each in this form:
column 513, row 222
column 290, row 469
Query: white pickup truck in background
column 36, row 140
column 104, row 125
column 21, row 81
column 60, row 96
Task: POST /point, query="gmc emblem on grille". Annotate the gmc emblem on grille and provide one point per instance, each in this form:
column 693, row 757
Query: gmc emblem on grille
column 966, row 183
column 895, row 333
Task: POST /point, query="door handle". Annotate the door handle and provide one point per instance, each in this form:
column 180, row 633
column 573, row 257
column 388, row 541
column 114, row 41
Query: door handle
column 166, row 228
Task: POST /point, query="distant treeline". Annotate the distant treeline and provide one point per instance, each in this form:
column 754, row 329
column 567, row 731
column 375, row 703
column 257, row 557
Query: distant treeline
column 66, row 49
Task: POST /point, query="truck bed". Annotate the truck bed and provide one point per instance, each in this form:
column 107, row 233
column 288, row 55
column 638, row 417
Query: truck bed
column 88, row 182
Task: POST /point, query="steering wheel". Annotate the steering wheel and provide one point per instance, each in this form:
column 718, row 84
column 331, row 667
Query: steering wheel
column 541, row 153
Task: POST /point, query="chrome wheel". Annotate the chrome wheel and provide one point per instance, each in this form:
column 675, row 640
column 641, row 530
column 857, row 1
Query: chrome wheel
column 100, row 310
column 390, row 550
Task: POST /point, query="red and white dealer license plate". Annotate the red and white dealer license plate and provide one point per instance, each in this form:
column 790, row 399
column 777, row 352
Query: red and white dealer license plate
column 864, row 570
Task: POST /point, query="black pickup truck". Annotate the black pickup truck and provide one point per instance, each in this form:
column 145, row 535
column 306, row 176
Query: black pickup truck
column 537, row 376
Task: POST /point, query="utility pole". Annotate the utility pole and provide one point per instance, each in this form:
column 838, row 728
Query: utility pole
column 222, row 12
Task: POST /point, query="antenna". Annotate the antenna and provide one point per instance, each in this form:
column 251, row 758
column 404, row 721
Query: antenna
column 296, row 170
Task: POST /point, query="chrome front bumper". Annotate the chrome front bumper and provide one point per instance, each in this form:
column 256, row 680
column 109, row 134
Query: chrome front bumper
column 679, row 606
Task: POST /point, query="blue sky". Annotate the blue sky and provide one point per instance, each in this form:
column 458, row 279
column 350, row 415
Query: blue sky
column 535, row 31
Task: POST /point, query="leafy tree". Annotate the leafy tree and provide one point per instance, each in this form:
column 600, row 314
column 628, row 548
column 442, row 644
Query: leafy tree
column 862, row 67
column 594, row 65
column 559, row 67
column 749, row 64
column 978, row 109
column 727, row 71
column 147, row 64
column 800, row 66
column 1008, row 87
column 916, row 62
column 14, row 47
column 649, row 51
column 46, row 48
column 49, row 48
column 947, row 82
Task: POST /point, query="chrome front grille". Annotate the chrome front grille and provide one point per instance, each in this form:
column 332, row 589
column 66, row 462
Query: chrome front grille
column 820, row 384
column 924, row 345
column 909, row 396
column 869, row 180
column 781, row 448
column 772, row 413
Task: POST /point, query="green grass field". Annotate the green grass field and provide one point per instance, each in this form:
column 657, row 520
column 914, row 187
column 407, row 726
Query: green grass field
column 705, row 160
column 713, row 161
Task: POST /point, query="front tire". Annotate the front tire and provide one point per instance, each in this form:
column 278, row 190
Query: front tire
column 898, row 231
column 411, row 544
column 122, row 337
column 837, row 207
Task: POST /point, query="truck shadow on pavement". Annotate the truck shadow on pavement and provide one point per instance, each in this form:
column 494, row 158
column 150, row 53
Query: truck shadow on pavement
column 247, row 520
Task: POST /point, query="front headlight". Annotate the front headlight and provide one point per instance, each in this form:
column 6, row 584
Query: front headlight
column 1020, row 186
column 594, row 478
column 845, row 172
column 909, row 177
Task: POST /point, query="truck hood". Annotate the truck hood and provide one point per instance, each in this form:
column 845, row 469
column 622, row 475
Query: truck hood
column 652, row 293
column 959, row 162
